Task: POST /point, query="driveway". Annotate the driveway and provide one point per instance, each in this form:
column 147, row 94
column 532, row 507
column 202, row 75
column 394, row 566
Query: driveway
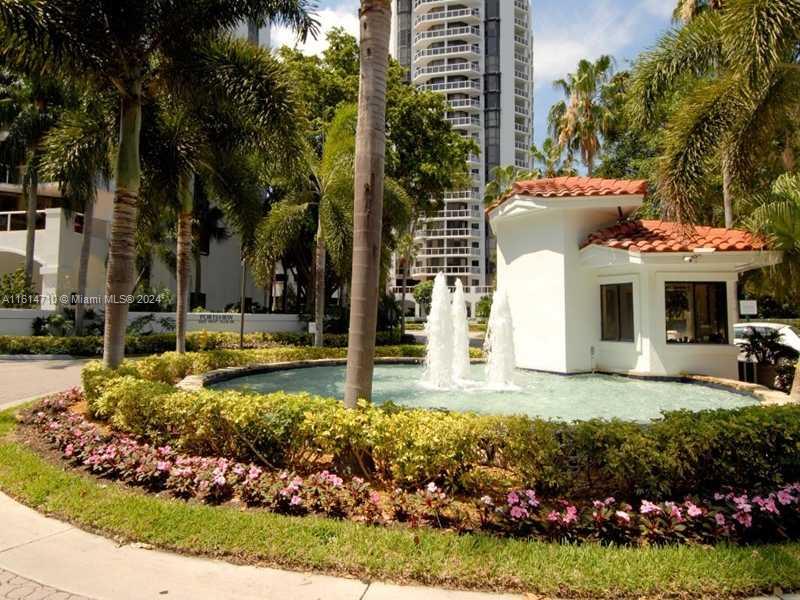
column 27, row 377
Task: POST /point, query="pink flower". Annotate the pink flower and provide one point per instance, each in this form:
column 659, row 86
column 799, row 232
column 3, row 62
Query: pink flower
column 517, row 512
column 648, row 507
column 744, row 518
column 552, row 516
column 512, row 498
column 571, row 515
column 720, row 519
column 674, row 511
column 785, row 497
column 532, row 500
column 296, row 501
column 374, row 497
column 623, row 516
column 766, row 504
column 693, row 510
column 69, row 450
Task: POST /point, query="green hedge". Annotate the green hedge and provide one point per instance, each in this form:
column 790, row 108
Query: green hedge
column 165, row 342
column 685, row 452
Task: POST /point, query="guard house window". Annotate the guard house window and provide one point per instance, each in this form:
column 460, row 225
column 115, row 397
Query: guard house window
column 617, row 312
column 697, row 313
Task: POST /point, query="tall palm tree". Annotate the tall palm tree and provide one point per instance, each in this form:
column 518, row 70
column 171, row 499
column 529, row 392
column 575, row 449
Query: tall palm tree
column 407, row 249
column 76, row 153
column 579, row 122
column 29, row 107
column 375, row 18
column 327, row 189
column 777, row 217
column 118, row 44
column 731, row 79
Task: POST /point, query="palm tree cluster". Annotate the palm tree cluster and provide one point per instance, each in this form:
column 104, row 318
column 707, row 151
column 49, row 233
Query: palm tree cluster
column 728, row 82
column 578, row 123
column 163, row 64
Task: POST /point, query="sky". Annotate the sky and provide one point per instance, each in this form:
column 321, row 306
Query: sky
column 564, row 32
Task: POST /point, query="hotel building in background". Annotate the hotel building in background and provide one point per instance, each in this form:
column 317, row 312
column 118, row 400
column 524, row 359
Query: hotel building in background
column 479, row 54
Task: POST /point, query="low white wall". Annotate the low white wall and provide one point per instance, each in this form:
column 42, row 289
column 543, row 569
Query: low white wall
column 18, row 321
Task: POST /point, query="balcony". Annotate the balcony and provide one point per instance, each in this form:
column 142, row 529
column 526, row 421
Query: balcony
column 521, row 5
column 463, row 195
column 473, row 121
column 451, row 86
column 465, row 50
column 428, row 234
column 462, row 214
column 519, row 128
column 17, row 220
column 445, row 252
column 442, row 16
column 450, row 32
column 464, row 67
column 434, row 270
column 465, row 104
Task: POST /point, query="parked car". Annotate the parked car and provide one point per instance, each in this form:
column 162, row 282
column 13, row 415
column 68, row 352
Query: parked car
column 789, row 336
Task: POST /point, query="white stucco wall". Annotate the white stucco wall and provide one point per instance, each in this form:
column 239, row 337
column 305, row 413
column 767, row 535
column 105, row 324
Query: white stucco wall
column 554, row 293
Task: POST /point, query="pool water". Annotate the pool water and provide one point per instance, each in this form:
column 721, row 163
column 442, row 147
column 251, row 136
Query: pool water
column 568, row 398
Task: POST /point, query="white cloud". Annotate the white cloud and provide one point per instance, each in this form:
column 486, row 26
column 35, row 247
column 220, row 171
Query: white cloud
column 605, row 28
column 344, row 14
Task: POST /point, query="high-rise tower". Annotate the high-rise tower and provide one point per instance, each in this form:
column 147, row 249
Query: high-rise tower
column 479, row 55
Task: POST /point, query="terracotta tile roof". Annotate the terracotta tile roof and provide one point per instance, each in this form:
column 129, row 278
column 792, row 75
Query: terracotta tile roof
column 663, row 236
column 573, row 187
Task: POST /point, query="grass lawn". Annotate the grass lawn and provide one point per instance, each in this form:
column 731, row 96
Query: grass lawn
column 395, row 554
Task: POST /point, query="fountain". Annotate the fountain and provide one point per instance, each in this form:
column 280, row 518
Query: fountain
column 439, row 330
column 499, row 344
column 460, row 335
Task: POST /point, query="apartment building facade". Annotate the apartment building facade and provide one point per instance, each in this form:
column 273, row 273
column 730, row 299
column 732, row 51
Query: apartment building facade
column 479, row 55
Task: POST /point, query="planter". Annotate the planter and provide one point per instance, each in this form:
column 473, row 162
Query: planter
column 766, row 374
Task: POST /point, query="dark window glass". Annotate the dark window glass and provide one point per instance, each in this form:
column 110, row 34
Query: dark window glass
column 617, row 312
column 696, row 313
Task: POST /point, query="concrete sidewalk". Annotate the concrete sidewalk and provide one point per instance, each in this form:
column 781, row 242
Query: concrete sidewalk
column 44, row 558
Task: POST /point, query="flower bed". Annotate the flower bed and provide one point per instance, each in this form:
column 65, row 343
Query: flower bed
column 724, row 516
column 683, row 453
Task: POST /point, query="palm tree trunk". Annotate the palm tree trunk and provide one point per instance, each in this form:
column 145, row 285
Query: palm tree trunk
column 30, row 239
column 83, row 265
column 375, row 21
column 789, row 161
column 403, row 298
column 727, row 193
column 319, row 285
column 794, row 394
column 270, row 285
column 122, row 247
column 184, row 248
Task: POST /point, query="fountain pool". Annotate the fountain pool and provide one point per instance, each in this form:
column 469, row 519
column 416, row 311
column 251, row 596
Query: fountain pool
column 568, row 398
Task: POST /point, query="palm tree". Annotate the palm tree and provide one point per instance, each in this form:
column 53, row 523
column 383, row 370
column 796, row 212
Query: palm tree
column 503, row 180
column 407, row 248
column 777, row 217
column 207, row 226
column 119, row 44
column 326, row 187
column 76, row 152
column 731, row 79
column 29, row 107
column 375, row 17
column 550, row 159
column 579, row 122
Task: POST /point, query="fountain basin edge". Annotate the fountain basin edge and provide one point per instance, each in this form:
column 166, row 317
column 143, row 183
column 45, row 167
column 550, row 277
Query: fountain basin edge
column 763, row 394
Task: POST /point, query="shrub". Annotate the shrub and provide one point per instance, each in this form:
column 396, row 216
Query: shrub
column 165, row 342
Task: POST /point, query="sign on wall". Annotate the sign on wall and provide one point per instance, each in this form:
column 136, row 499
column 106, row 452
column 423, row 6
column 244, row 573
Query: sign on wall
column 748, row 308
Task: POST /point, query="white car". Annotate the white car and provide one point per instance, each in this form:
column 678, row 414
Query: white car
column 790, row 335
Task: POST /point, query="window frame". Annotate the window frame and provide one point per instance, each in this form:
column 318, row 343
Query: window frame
column 725, row 317
column 618, row 286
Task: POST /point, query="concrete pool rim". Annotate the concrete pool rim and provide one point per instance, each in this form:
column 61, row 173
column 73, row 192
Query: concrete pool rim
column 764, row 395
